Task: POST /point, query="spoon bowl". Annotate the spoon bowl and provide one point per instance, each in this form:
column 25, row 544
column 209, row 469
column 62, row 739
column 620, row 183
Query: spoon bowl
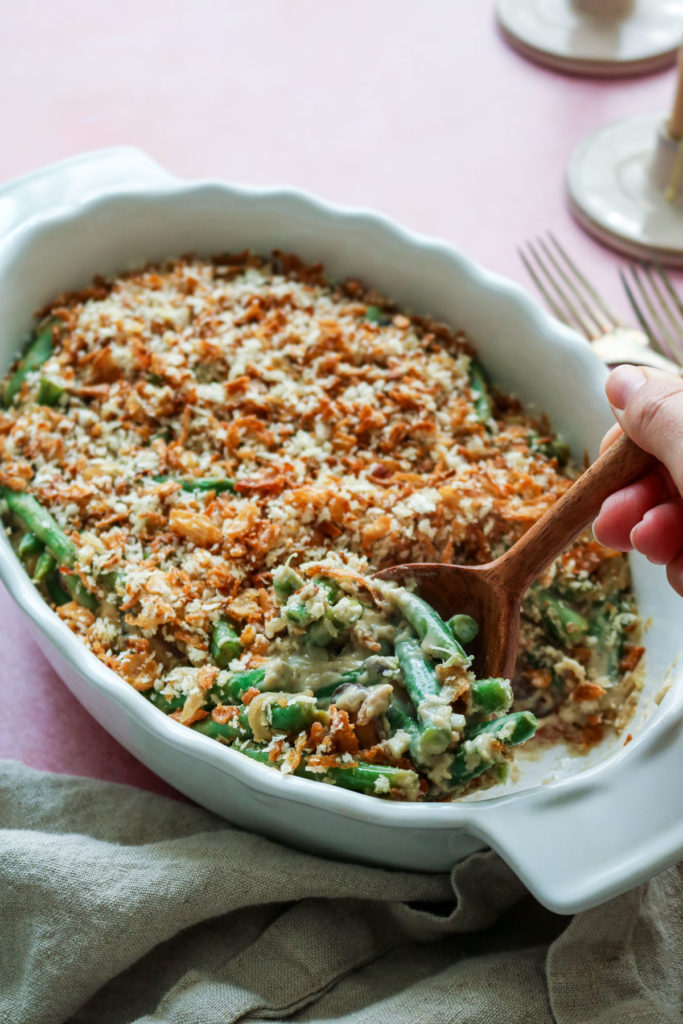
column 492, row 593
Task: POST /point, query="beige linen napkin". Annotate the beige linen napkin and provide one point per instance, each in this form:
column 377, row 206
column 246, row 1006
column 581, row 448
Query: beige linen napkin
column 121, row 906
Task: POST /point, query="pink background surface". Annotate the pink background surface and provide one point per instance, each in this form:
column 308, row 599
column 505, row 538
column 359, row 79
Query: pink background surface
column 417, row 109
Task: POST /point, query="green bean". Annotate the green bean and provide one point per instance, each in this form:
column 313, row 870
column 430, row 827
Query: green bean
column 29, row 545
column 565, row 624
column 324, row 695
column 436, row 638
column 483, row 405
column 425, row 741
column 165, row 704
column 375, row 315
column 62, row 548
column 41, row 523
column 486, row 695
column 289, row 717
column 217, row 484
column 49, row 391
column 376, row 779
column 321, row 633
column 328, row 587
column 297, row 613
column 473, row 759
column 512, row 729
column 552, row 448
column 463, row 627
column 400, row 718
column 169, row 704
column 38, row 352
column 285, row 582
column 490, row 695
column 165, row 434
column 423, row 689
column 57, row 595
column 606, row 628
column 45, row 566
column 225, row 643
column 337, row 618
column 418, row 676
column 236, row 728
column 110, row 580
column 400, row 715
column 79, row 592
column 293, row 715
column 233, row 689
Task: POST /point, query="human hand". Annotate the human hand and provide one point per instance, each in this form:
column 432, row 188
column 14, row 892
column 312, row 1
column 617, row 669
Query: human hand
column 648, row 515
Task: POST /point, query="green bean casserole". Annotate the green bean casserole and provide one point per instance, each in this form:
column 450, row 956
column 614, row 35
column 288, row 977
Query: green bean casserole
column 202, row 464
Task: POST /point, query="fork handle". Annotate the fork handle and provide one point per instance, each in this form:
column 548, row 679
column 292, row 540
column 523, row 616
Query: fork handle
column 619, row 465
column 613, row 351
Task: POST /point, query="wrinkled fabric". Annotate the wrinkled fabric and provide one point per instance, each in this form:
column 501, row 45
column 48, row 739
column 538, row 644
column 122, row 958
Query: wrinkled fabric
column 119, row 906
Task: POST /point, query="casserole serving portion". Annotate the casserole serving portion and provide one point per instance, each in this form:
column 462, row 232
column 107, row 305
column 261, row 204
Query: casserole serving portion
column 202, row 461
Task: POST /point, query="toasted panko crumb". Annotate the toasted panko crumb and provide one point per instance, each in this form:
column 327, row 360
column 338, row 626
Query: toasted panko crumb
column 350, row 443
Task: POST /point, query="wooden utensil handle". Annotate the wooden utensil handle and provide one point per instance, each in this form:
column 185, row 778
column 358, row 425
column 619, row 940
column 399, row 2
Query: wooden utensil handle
column 619, row 465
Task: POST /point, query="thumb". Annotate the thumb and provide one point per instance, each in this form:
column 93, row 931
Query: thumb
column 648, row 404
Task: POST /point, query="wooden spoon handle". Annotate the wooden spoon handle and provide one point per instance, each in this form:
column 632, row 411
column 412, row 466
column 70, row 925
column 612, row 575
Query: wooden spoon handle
column 619, row 465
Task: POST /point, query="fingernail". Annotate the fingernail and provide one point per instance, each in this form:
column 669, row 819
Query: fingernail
column 622, row 385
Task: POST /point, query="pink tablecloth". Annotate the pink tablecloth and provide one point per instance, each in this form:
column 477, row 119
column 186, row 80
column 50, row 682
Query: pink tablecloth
column 417, row 109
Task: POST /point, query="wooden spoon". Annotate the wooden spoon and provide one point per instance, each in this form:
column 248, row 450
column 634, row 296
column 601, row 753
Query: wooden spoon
column 492, row 593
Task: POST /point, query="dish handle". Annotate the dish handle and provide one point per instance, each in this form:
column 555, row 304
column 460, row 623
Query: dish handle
column 75, row 179
column 595, row 836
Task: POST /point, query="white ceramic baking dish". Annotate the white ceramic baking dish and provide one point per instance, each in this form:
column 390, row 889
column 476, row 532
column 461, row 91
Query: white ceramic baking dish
column 576, row 830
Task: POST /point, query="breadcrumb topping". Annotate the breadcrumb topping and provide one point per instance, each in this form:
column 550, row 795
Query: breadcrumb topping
column 346, row 437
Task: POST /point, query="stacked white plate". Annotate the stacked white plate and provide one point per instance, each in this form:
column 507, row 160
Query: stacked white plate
column 558, row 34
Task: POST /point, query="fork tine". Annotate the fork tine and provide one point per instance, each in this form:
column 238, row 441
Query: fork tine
column 658, row 341
column 666, row 281
column 554, row 308
column 672, row 305
column 586, row 325
column 634, row 305
column 666, row 337
column 611, row 320
column 667, row 319
column 571, row 315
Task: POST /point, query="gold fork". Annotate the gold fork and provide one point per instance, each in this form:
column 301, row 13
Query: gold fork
column 663, row 305
column 574, row 301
